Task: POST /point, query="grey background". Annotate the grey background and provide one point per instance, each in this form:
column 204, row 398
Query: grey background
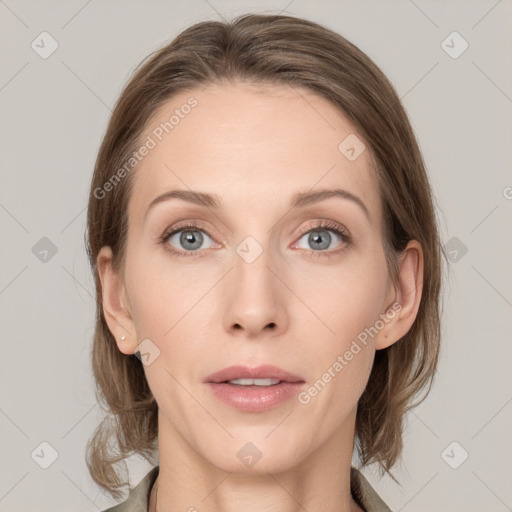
column 54, row 113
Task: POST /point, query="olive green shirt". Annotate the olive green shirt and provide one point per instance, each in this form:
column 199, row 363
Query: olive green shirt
column 362, row 492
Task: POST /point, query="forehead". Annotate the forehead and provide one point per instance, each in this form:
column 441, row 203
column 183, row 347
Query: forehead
column 253, row 145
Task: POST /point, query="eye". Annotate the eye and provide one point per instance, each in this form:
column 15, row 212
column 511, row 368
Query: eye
column 318, row 237
column 185, row 240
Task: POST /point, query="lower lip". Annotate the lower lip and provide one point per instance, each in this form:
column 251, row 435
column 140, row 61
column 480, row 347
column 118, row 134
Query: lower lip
column 255, row 398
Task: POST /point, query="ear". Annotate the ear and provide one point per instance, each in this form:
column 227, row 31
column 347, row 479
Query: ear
column 115, row 303
column 407, row 297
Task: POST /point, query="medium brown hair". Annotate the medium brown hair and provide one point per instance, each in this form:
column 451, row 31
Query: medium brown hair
column 279, row 50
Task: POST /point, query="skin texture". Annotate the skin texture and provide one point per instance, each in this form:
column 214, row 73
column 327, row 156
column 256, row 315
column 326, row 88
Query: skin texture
column 255, row 146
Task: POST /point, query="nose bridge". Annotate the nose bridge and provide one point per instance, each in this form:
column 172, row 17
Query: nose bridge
column 254, row 296
column 254, row 250
column 252, row 261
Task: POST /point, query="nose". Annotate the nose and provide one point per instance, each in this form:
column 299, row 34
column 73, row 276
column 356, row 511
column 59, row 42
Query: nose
column 255, row 298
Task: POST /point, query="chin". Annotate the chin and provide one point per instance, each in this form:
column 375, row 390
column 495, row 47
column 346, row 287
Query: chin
column 253, row 455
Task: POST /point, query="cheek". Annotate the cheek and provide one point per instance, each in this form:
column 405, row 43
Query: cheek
column 168, row 307
column 341, row 352
column 346, row 298
column 160, row 291
column 350, row 306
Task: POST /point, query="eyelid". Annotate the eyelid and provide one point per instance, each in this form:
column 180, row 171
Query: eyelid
column 314, row 225
column 193, row 225
column 326, row 225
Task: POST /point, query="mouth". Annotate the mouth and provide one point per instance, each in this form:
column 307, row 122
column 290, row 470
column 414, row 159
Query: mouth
column 263, row 375
column 254, row 389
column 253, row 383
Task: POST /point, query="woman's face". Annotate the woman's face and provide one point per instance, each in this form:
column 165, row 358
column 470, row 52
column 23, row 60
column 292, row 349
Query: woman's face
column 258, row 281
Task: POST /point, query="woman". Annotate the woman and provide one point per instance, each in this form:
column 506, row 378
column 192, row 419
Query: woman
column 268, row 270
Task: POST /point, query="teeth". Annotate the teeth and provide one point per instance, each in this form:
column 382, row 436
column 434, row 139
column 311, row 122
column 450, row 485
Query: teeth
column 257, row 382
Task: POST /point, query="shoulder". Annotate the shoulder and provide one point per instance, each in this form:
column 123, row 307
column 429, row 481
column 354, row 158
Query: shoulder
column 138, row 499
column 365, row 494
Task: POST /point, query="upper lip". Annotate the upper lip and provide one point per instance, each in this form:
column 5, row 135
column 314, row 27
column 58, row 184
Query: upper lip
column 265, row 371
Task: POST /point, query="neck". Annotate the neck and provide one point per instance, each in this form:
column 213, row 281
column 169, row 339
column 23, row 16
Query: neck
column 188, row 481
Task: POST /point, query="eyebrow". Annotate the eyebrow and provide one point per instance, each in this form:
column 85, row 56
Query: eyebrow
column 299, row 200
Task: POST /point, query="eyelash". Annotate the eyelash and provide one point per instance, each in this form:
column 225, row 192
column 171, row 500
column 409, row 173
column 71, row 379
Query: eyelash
column 327, row 225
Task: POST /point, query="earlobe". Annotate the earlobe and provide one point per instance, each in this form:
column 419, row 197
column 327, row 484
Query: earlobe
column 117, row 314
column 408, row 296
